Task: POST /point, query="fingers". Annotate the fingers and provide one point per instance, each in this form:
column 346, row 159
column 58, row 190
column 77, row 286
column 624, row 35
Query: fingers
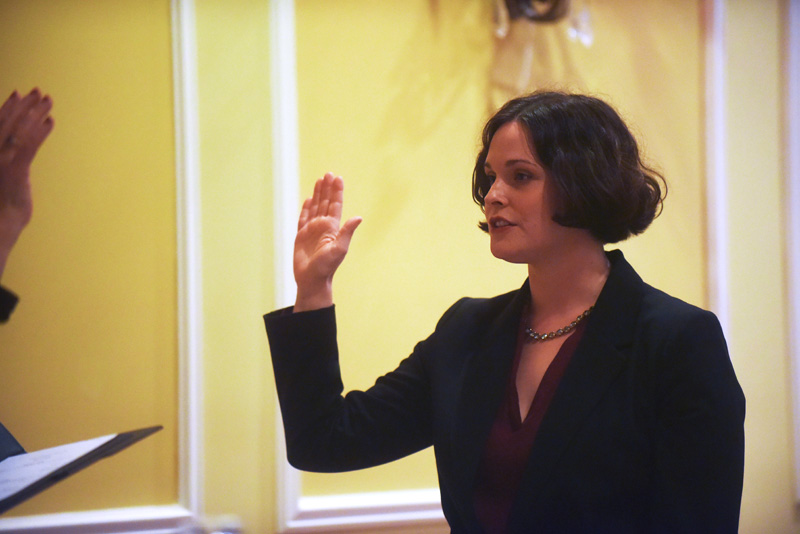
column 331, row 186
column 36, row 124
column 327, row 201
column 336, row 198
column 25, row 122
column 346, row 232
column 327, row 198
column 16, row 108
column 317, row 205
column 324, row 195
column 304, row 214
column 313, row 208
column 5, row 110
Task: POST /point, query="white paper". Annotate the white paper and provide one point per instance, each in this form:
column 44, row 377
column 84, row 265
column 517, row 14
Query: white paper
column 20, row 471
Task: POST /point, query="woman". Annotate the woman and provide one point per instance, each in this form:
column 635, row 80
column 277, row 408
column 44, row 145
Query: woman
column 586, row 401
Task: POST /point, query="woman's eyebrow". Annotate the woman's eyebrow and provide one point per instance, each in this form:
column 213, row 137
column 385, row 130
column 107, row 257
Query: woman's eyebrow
column 512, row 162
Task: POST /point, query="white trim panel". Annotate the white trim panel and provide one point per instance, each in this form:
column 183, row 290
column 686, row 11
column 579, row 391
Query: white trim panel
column 356, row 511
column 716, row 165
column 144, row 519
column 190, row 284
column 793, row 213
column 285, row 145
column 286, row 186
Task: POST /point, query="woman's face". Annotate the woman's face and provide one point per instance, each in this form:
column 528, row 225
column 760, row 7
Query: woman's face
column 520, row 203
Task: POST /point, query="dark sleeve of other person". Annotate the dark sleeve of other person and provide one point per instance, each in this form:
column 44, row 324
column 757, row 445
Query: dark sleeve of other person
column 8, row 445
column 8, row 302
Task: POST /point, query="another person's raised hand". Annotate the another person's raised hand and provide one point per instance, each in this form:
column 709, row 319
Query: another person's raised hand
column 321, row 244
column 25, row 123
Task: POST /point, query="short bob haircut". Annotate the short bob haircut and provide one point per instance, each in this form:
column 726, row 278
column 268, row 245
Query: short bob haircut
column 601, row 183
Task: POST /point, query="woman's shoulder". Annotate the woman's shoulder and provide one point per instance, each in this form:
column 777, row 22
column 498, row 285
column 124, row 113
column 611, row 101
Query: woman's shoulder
column 629, row 296
column 670, row 311
column 482, row 306
column 477, row 314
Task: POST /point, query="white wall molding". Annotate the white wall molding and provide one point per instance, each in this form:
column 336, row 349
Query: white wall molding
column 190, row 284
column 420, row 509
column 169, row 518
column 286, row 187
column 285, row 145
column 142, row 519
column 792, row 210
column 716, row 102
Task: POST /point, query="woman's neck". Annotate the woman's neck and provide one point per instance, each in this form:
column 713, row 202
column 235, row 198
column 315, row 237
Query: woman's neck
column 564, row 285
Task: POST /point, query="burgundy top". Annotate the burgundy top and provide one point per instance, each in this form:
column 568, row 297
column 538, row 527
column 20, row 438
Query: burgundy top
column 510, row 440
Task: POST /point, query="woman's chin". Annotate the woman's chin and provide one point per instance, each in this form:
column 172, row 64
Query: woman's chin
column 511, row 256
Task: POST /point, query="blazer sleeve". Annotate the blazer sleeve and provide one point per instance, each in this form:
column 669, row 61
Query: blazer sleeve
column 326, row 431
column 8, row 302
column 699, row 432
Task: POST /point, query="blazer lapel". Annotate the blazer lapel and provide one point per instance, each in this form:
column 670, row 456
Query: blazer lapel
column 485, row 379
column 597, row 361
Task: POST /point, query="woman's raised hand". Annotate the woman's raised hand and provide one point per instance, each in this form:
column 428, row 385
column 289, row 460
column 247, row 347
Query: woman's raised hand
column 321, row 244
column 25, row 123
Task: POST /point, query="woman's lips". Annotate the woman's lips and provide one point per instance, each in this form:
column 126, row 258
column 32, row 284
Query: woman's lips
column 499, row 223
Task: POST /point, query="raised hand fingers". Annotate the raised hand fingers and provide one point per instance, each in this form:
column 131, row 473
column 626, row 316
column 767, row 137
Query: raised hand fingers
column 337, row 198
column 313, row 208
column 5, row 110
column 14, row 108
column 37, row 123
column 25, row 122
column 327, row 198
column 347, row 230
column 304, row 214
column 326, row 194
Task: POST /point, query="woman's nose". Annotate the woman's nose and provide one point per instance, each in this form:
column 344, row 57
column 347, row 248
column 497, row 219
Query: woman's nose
column 495, row 195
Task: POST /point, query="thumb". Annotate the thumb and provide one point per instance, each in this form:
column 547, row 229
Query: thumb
column 346, row 231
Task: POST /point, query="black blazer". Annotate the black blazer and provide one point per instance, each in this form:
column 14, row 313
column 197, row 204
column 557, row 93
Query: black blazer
column 8, row 301
column 8, row 445
column 644, row 434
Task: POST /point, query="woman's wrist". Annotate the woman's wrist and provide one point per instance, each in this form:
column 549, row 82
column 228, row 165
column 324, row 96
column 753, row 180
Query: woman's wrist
column 313, row 298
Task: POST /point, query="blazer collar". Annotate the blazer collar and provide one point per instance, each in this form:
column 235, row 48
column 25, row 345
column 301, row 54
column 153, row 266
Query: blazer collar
column 485, row 379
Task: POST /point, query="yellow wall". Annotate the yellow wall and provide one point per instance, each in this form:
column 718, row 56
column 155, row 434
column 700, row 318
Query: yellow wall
column 91, row 349
column 233, row 88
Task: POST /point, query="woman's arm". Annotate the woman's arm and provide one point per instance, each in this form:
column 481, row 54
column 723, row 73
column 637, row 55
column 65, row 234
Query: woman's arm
column 326, row 431
column 699, row 433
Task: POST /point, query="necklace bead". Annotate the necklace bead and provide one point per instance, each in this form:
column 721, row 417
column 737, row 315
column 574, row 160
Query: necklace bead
column 534, row 336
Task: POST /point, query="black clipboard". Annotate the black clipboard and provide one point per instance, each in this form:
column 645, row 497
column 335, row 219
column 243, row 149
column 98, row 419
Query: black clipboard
column 16, row 490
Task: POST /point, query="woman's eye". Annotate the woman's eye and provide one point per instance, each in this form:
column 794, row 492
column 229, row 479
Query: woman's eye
column 522, row 176
column 490, row 179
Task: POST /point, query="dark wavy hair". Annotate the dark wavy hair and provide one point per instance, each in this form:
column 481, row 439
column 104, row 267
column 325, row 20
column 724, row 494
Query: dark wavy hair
column 601, row 183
